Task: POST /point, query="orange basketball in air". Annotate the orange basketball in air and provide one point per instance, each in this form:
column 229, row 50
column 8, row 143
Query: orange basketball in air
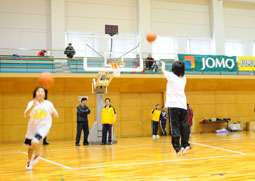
column 151, row 37
column 46, row 79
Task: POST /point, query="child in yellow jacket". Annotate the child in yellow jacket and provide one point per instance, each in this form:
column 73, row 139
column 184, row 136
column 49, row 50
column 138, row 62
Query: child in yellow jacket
column 108, row 118
column 155, row 116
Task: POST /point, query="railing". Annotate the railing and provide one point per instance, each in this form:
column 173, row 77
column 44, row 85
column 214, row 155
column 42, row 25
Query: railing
column 36, row 64
column 26, row 64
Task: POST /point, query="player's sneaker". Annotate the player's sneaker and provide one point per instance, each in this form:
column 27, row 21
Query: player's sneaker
column 29, row 165
column 158, row 136
column 35, row 159
column 180, row 152
column 154, row 137
column 186, row 150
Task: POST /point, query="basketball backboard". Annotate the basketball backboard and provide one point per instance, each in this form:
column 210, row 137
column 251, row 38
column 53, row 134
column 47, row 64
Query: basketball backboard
column 112, row 53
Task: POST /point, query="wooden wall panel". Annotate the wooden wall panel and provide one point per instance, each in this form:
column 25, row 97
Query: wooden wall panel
column 238, row 105
column 16, row 100
column 61, row 119
column 131, row 129
column 246, row 109
column 68, row 131
column 133, row 96
column 14, row 117
column 202, row 97
column 224, row 97
column 115, row 85
column 1, row 126
column 1, row 100
column 228, row 85
column 57, row 131
column 17, row 85
column 206, row 85
column 14, row 133
column 132, row 85
column 1, row 134
column 245, row 97
column 57, row 98
column 130, row 116
column 154, row 85
column 58, row 86
column 225, row 110
column 78, row 84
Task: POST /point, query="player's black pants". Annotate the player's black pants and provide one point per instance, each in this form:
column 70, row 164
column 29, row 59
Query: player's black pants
column 82, row 125
column 44, row 140
column 163, row 126
column 154, row 127
column 107, row 128
column 179, row 128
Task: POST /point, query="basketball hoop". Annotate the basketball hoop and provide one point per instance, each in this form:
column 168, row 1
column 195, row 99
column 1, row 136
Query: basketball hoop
column 115, row 65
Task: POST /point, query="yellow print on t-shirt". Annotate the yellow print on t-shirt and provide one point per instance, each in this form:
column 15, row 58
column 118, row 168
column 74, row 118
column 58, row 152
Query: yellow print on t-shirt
column 40, row 113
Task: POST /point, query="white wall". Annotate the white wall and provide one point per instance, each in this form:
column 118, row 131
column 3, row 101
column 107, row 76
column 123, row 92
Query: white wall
column 25, row 24
column 239, row 21
column 90, row 16
column 181, row 18
column 239, row 24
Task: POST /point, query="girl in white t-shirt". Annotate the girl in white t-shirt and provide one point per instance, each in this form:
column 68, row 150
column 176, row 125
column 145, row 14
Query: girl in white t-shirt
column 39, row 111
column 177, row 106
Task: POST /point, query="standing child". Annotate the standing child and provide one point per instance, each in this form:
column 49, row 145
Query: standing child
column 155, row 116
column 163, row 120
column 108, row 119
column 177, row 106
column 39, row 112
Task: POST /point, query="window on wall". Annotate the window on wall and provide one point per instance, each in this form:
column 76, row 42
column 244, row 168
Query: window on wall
column 78, row 42
column 234, row 48
column 199, row 46
column 101, row 45
column 164, row 48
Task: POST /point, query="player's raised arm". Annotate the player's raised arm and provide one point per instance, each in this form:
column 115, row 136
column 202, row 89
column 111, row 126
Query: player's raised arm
column 28, row 111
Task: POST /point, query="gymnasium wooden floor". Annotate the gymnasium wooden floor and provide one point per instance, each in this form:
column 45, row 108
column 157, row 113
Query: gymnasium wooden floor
column 213, row 157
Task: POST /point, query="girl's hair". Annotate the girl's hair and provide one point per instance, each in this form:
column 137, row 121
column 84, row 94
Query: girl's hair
column 45, row 91
column 178, row 68
column 157, row 105
column 107, row 99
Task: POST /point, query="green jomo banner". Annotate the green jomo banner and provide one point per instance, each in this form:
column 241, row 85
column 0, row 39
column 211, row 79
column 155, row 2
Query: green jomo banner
column 208, row 63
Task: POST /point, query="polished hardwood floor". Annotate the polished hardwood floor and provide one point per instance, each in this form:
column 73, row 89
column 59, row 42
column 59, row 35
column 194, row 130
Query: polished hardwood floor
column 213, row 157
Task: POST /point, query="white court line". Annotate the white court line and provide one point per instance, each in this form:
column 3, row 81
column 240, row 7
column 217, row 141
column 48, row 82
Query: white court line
column 55, row 163
column 242, row 174
column 121, row 146
column 3, row 153
column 165, row 161
column 209, row 140
column 168, row 177
column 219, row 148
column 111, row 146
column 155, row 162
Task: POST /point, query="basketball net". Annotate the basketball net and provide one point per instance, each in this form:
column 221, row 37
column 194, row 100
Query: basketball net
column 115, row 66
